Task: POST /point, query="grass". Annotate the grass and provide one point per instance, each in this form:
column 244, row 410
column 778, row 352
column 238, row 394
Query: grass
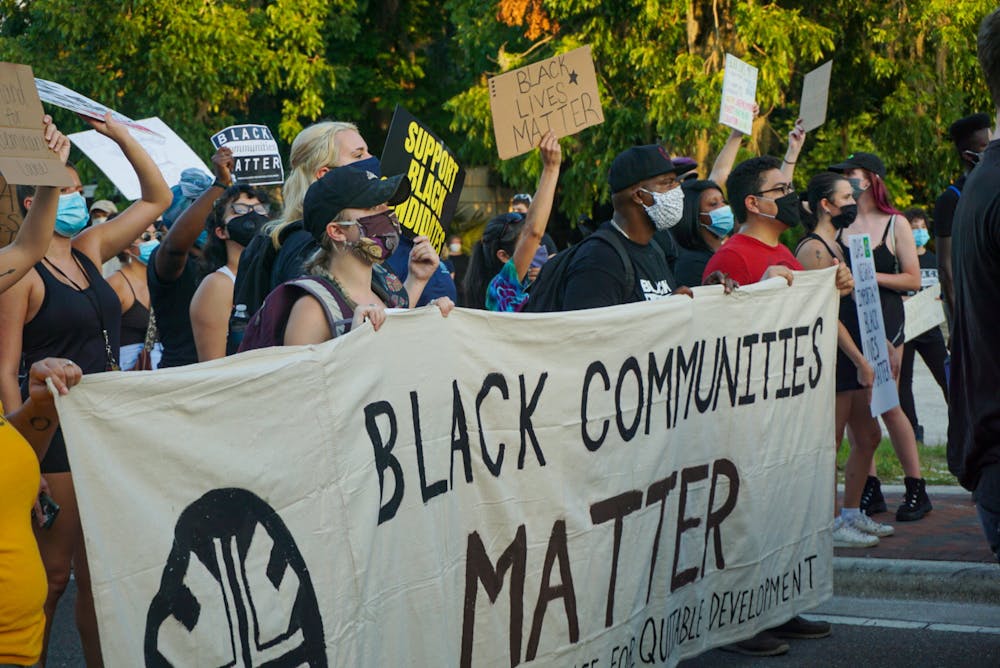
column 933, row 464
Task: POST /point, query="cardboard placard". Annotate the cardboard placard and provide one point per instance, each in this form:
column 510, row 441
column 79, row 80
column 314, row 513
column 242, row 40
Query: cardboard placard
column 924, row 311
column 67, row 98
column 739, row 95
column 873, row 341
column 815, row 93
column 167, row 150
column 255, row 154
column 435, row 175
column 558, row 94
column 25, row 157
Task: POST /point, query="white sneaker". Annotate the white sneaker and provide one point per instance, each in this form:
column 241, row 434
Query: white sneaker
column 867, row 525
column 846, row 535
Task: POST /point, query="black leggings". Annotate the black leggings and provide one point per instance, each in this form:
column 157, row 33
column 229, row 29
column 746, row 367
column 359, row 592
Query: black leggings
column 931, row 347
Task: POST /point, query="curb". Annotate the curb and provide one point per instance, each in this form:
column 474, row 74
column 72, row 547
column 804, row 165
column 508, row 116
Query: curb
column 956, row 581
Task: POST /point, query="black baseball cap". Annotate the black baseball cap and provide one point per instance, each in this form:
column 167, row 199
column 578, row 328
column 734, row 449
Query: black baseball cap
column 639, row 163
column 868, row 161
column 348, row 188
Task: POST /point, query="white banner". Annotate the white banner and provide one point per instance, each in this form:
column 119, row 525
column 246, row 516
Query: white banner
column 607, row 487
column 923, row 312
column 873, row 342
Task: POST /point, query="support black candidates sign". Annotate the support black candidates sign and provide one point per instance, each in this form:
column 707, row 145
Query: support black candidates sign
column 435, row 175
column 255, row 153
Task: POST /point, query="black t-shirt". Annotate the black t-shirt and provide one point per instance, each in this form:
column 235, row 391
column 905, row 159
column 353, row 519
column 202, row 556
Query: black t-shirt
column 974, row 402
column 690, row 266
column 944, row 208
column 171, row 305
column 595, row 276
column 928, row 270
column 670, row 248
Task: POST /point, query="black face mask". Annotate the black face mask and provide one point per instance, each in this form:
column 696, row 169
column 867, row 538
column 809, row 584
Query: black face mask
column 788, row 209
column 243, row 228
column 847, row 214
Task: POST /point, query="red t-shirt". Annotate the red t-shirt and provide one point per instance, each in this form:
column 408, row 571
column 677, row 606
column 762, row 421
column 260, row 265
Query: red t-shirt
column 745, row 259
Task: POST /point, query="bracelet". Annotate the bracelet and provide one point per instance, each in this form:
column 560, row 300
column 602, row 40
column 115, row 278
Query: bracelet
column 787, row 162
column 219, row 184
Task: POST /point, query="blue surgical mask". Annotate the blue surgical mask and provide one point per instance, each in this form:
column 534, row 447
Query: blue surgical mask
column 371, row 164
column 146, row 249
column 72, row 216
column 722, row 221
column 921, row 236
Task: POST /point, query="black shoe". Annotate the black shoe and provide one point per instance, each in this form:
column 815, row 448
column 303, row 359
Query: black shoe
column 797, row 627
column 916, row 504
column 872, row 501
column 762, row 644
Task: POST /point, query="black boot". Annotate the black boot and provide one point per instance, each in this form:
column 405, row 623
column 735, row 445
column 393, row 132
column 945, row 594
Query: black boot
column 916, row 504
column 872, row 500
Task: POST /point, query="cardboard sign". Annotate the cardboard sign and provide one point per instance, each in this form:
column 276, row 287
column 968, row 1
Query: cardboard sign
column 10, row 213
column 255, row 154
column 558, row 94
column 549, row 510
column 436, row 177
column 739, row 95
column 873, row 341
column 924, row 311
column 167, row 150
column 66, row 98
column 815, row 92
column 25, row 156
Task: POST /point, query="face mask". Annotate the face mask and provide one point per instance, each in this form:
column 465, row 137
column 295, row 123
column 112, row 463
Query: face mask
column 541, row 257
column 146, row 249
column 379, row 237
column 242, row 229
column 722, row 221
column 847, row 214
column 455, row 249
column 98, row 220
column 371, row 164
column 921, row 236
column 666, row 209
column 856, row 187
column 788, row 209
column 972, row 156
column 72, row 215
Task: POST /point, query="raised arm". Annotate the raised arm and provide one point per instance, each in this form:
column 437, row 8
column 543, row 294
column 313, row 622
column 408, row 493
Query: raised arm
column 796, row 138
column 727, row 156
column 35, row 234
column 172, row 255
column 541, row 205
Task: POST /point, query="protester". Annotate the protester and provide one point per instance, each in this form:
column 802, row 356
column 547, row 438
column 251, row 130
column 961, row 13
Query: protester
column 172, row 273
column 929, row 344
column 970, row 135
column 25, row 434
column 64, row 308
column 974, row 409
column 520, row 203
column 129, row 283
column 831, row 207
column 441, row 283
column 498, row 275
column 460, row 265
column 706, row 222
column 101, row 210
column 237, row 216
column 897, row 270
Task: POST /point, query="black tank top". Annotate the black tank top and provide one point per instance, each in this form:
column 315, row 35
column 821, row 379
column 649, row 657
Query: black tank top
column 68, row 324
column 135, row 321
column 885, row 261
column 848, row 313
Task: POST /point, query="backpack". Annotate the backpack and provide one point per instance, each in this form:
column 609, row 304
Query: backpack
column 253, row 281
column 267, row 326
column 546, row 293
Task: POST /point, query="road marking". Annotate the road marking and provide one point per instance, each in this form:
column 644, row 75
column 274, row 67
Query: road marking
column 847, row 620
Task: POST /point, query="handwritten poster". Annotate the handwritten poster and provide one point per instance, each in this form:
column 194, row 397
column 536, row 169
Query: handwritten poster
column 435, row 176
column 25, row 156
column 815, row 92
column 873, row 342
column 558, row 94
column 739, row 94
column 256, row 159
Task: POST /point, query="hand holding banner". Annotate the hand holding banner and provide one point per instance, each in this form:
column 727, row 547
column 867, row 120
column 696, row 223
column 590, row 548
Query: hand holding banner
column 558, row 94
column 25, row 156
column 739, row 93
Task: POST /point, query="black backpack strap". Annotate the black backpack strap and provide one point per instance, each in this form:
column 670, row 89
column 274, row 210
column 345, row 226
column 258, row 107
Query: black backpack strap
column 614, row 239
column 338, row 311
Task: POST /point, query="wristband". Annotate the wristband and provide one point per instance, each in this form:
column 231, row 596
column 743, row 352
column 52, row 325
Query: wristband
column 787, row 162
column 219, row 184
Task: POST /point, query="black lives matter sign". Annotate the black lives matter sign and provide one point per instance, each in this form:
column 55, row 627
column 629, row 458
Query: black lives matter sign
column 255, row 152
column 435, row 176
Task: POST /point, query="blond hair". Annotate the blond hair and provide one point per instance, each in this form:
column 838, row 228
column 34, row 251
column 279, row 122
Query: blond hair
column 314, row 148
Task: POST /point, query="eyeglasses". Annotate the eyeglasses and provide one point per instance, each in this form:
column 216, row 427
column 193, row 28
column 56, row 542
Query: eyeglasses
column 785, row 188
column 147, row 236
column 243, row 209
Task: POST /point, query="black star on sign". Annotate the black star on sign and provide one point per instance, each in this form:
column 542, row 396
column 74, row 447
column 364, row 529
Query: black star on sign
column 572, row 77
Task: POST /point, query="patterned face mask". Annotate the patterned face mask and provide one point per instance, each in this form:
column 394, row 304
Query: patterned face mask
column 666, row 209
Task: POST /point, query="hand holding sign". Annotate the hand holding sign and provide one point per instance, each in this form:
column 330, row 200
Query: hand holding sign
column 255, row 153
column 739, row 92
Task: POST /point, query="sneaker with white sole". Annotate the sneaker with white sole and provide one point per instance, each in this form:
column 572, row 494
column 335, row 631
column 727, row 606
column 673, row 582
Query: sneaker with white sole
column 845, row 535
column 867, row 525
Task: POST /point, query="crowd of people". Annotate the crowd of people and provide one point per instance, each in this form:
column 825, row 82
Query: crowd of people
column 208, row 268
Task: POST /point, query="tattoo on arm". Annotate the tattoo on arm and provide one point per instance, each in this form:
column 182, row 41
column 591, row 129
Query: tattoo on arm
column 39, row 423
